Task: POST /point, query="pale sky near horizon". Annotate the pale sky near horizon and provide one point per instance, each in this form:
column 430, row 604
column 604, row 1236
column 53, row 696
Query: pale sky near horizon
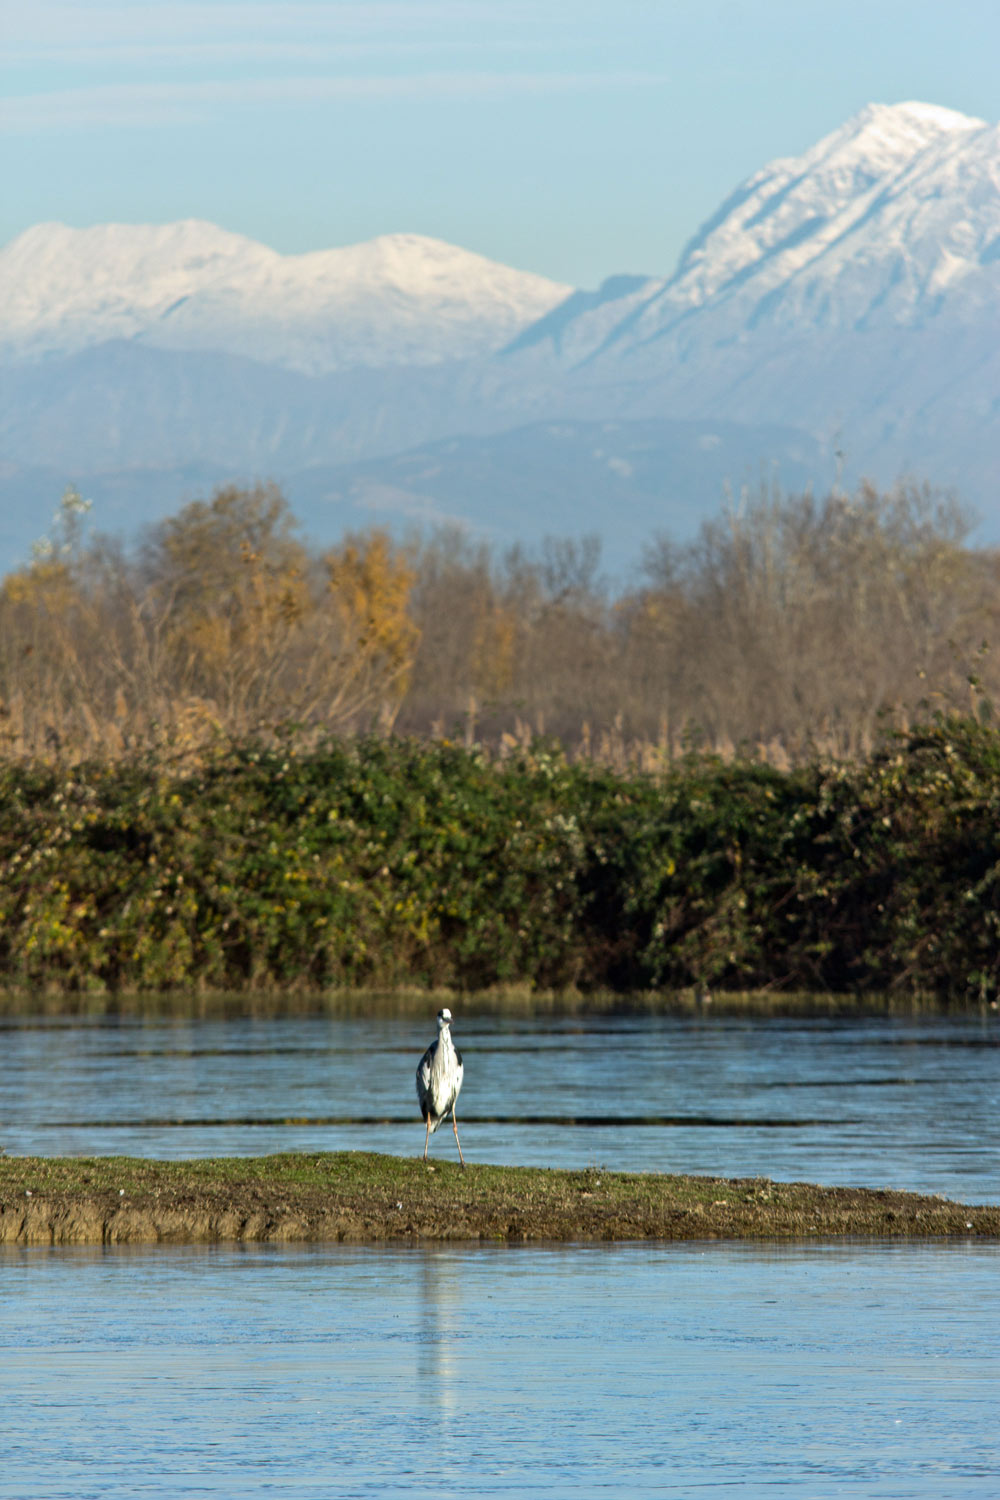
column 575, row 138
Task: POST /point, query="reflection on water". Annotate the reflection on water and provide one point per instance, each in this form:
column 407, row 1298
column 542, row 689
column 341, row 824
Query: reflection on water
column 501, row 1371
column 441, row 1324
column 902, row 1102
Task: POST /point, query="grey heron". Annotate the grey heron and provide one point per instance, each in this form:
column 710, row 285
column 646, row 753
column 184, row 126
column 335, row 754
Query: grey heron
column 439, row 1078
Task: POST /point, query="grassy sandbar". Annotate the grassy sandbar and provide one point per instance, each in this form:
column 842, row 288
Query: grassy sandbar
column 362, row 1196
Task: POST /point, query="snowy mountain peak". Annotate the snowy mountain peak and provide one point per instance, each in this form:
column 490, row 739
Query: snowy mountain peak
column 853, row 290
column 795, row 209
column 897, row 129
column 100, row 256
column 397, row 299
column 891, row 220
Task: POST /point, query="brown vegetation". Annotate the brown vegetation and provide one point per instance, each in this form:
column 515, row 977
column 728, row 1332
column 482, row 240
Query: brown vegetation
column 791, row 627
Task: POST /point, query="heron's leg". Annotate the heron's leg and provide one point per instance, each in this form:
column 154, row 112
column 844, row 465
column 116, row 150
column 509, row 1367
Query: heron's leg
column 427, row 1136
column 458, row 1143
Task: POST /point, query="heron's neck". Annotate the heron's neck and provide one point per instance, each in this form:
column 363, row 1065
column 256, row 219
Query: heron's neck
column 445, row 1044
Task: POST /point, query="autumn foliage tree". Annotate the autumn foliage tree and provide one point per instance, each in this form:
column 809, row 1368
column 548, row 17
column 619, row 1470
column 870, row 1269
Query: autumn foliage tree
column 791, row 626
column 224, row 623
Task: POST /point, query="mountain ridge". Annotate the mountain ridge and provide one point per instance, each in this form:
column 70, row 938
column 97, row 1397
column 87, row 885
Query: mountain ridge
column 396, row 299
column 869, row 225
column 849, row 295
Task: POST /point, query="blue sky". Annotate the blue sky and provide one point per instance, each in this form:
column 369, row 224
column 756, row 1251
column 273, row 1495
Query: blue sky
column 576, row 138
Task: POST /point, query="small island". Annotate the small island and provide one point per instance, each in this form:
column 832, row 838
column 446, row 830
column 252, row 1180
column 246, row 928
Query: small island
column 365, row 1197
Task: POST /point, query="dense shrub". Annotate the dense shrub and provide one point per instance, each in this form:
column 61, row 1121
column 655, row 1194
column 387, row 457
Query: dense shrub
column 390, row 861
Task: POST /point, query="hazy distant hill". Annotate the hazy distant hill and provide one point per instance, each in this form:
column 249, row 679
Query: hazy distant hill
column 521, row 484
column 846, row 301
column 554, row 478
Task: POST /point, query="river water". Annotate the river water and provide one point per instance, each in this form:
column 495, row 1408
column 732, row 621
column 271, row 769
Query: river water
column 497, row 1371
column 881, row 1102
column 853, row 1369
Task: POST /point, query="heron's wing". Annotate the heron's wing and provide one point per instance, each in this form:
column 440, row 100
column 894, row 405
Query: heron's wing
column 460, row 1074
column 424, row 1072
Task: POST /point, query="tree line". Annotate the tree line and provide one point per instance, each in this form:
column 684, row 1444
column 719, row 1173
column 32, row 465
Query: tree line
column 791, row 627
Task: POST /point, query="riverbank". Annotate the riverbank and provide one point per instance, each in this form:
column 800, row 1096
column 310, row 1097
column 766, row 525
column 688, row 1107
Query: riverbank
column 502, row 1000
column 361, row 1196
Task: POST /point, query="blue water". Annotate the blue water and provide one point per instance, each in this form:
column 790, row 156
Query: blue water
column 324, row 1371
column 594, row 1370
column 905, row 1103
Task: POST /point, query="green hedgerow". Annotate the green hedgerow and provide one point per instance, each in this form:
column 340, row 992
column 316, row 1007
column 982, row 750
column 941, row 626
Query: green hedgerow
column 385, row 862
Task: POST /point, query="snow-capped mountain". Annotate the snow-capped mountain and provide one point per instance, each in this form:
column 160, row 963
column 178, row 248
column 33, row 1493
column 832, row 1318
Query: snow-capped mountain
column 870, row 227
column 853, row 292
column 841, row 306
column 401, row 299
column 889, row 222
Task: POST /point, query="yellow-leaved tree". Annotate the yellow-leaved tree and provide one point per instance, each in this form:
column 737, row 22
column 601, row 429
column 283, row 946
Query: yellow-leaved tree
column 369, row 581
